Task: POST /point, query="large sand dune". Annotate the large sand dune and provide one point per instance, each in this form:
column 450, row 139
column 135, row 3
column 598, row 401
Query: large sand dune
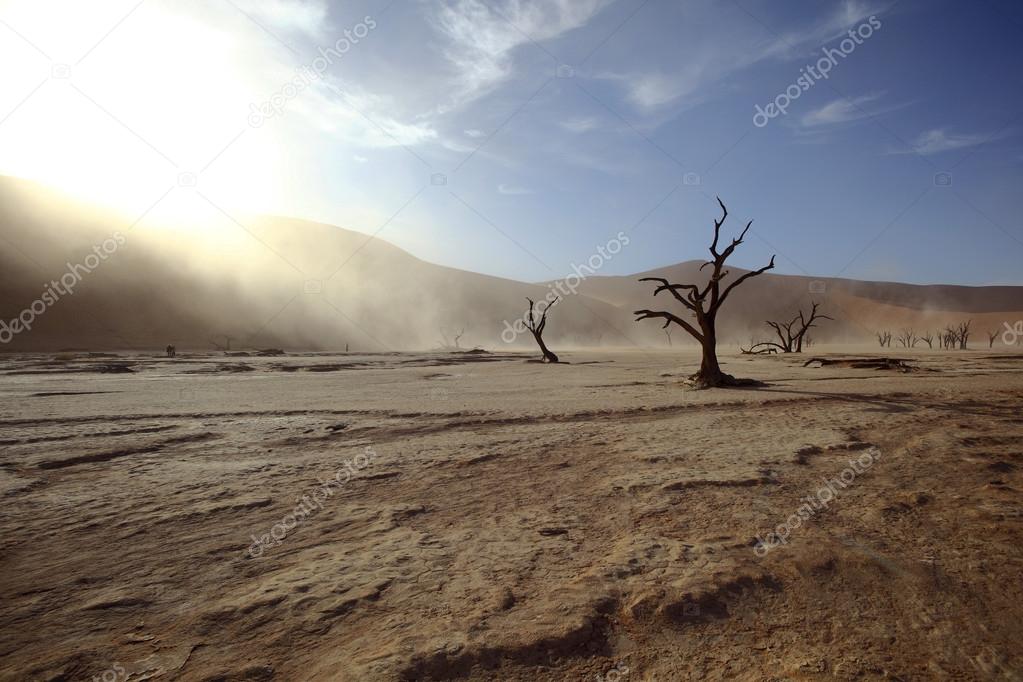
column 288, row 283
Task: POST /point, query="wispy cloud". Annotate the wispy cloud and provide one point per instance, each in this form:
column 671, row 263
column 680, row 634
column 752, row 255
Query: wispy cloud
column 842, row 110
column 361, row 118
column 308, row 17
column 798, row 44
column 710, row 59
column 938, row 140
column 482, row 36
column 580, row 124
column 513, row 190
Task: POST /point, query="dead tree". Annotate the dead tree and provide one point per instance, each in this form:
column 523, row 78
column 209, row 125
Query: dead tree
column 805, row 323
column 537, row 329
column 884, row 338
column 226, row 346
column 908, row 339
column 458, row 337
column 928, row 338
column 963, row 333
column 667, row 332
column 948, row 338
column 791, row 334
column 991, row 336
column 704, row 304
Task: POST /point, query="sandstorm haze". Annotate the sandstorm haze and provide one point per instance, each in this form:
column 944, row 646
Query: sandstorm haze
column 518, row 340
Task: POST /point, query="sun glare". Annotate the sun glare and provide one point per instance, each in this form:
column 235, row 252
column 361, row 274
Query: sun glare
column 157, row 111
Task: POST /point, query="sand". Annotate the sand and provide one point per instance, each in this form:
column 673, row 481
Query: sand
column 490, row 518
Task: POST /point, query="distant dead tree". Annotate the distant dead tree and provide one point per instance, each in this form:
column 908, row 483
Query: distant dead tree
column 948, row 338
column 458, row 337
column 928, row 338
column 884, row 338
column 791, row 334
column 991, row 336
column 226, row 346
column 963, row 333
column 907, row 338
column 537, row 328
column 667, row 332
column 704, row 304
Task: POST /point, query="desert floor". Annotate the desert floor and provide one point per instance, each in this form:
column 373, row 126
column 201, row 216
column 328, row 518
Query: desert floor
column 497, row 519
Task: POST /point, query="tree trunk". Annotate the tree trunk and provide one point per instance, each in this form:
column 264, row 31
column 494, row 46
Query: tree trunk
column 548, row 355
column 710, row 373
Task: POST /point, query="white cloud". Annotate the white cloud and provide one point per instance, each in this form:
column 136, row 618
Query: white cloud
column 482, row 36
column 472, row 132
column 308, row 17
column 361, row 118
column 512, row 190
column 709, row 58
column 579, row 125
column 937, row 141
column 360, row 159
column 650, row 91
column 797, row 44
column 840, row 110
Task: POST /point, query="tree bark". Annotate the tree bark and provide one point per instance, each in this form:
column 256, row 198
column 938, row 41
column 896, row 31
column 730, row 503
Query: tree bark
column 548, row 355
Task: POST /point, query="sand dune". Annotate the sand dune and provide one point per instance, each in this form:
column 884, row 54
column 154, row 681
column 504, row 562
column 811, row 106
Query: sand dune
column 280, row 282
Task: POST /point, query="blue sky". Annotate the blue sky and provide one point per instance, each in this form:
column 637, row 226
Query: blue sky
column 556, row 124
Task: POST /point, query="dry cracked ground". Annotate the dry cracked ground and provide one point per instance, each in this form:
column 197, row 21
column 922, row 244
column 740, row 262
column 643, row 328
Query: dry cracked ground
column 498, row 519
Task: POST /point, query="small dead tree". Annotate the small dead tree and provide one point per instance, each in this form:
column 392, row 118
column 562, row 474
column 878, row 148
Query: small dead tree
column 908, row 339
column 704, row 304
column 458, row 337
column 786, row 336
column 791, row 334
column 928, row 338
column 537, row 328
column 806, row 322
column 884, row 338
column 948, row 338
column 963, row 333
column 226, row 346
column 991, row 336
